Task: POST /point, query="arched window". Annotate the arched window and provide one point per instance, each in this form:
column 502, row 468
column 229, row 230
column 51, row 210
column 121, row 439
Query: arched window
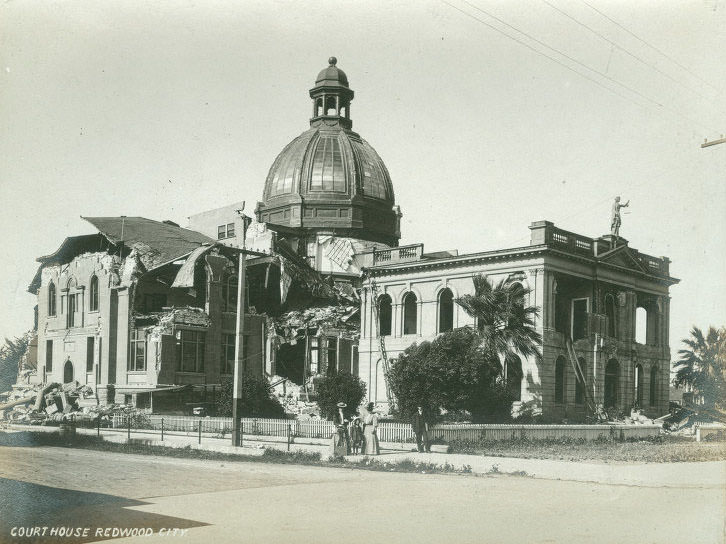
column 71, row 306
column 385, row 315
column 93, row 293
column 51, row 298
column 410, row 313
column 513, row 376
column 581, row 385
column 653, row 386
column 638, row 386
column 612, row 383
column 560, row 384
column 641, row 325
column 446, row 310
column 610, row 314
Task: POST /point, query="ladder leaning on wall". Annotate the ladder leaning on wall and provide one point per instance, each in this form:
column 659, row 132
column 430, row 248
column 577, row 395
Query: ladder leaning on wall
column 579, row 375
column 381, row 343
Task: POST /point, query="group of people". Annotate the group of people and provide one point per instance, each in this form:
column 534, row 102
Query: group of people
column 356, row 436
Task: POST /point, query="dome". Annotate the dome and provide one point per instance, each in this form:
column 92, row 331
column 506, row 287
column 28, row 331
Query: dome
column 332, row 75
column 329, row 180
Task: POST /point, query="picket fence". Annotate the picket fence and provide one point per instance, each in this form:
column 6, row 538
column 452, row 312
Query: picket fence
column 388, row 431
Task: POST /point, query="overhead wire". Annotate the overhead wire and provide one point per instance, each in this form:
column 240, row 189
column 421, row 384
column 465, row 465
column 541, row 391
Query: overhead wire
column 624, row 50
column 613, row 21
column 543, row 44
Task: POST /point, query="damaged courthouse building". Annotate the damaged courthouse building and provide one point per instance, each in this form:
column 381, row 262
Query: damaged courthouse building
column 143, row 311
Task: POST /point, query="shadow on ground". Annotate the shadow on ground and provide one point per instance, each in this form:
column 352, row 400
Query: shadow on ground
column 29, row 505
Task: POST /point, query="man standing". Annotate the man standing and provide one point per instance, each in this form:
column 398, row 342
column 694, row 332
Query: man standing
column 421, row 429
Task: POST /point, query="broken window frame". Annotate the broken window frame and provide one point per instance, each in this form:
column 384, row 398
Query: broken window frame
column 314, row 354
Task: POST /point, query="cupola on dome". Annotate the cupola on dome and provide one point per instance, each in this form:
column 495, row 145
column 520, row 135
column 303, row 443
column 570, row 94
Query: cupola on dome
column 329, row 180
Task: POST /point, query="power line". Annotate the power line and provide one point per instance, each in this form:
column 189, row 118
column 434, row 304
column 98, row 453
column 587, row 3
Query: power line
column 651, row 46
column 553, row 59
column 605, row 76
column 624, row 50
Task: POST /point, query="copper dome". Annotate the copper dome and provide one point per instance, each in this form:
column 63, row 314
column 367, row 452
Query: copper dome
column 328, row 179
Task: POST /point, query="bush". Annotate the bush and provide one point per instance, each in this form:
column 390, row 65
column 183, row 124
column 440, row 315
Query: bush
column 454, row 373
column 340, row 387
column 257, row 399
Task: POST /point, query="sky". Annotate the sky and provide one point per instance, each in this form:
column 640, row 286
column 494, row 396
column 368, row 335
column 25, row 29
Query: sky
column 488, row 114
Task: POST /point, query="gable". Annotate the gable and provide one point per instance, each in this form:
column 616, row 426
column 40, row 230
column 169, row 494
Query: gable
column 623, row 257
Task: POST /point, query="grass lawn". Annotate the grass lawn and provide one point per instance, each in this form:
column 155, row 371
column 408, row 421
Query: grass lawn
column 663, row 449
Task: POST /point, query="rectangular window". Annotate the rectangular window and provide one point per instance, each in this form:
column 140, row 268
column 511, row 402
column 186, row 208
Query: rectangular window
column 90, row 344
column 579, row 318
column 137, row 351
column 332, row 355
column 49, row 355
column 228, row 341
column 230, row 230
column 221, row 232
column 190, row 351
column 71, row 315
column 314, row 353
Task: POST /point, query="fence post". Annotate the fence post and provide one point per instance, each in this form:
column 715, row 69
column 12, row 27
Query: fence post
column 288, row 437
column 98, row 426
column 162, row 429
column 129, row 427
column 200, row 431
column 241, row 431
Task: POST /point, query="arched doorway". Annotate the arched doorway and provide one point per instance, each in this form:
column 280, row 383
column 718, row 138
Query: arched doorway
column 612, row 383
column 68, row 372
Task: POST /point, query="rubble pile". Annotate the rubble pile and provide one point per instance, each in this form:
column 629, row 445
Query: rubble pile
column 292, row 397
column 288, row 325
column 41, row 404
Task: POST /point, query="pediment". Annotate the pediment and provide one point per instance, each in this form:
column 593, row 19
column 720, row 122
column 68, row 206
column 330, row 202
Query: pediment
column 622, row 257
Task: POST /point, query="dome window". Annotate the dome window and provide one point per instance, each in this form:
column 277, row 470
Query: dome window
column 328, row 173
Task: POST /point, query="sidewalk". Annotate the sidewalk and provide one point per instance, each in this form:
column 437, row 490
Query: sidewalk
column 706, row 474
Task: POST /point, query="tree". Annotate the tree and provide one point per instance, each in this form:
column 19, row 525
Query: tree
column 454, row 372
column 702, row 365
column 505, row 324
column 11, row 353
column 339, row 387
column 257, row 399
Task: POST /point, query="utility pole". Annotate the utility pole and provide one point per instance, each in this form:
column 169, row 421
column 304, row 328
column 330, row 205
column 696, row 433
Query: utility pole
column 239, row 340
column 706, row 143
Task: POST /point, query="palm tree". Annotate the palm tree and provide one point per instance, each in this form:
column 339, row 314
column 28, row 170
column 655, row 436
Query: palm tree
column 703, row 365
column 505, row 324
column 11, row 355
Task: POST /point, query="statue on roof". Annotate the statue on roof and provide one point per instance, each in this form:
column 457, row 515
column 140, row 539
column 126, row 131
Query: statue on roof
column 615, row 220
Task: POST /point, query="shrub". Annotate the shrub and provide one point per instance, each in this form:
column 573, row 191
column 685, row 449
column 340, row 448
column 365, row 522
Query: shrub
column 454, row 373
column 340, row 387
column 257, row 399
